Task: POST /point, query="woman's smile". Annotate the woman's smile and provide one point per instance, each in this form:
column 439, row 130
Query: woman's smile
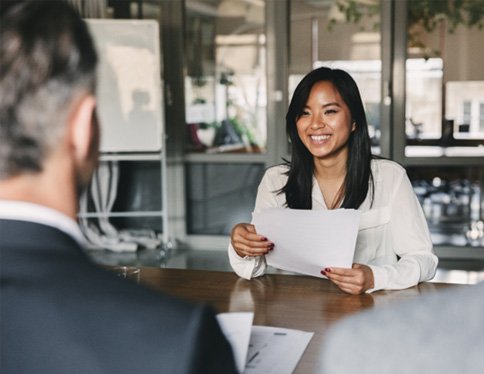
column 320, row 139
column 325, row 124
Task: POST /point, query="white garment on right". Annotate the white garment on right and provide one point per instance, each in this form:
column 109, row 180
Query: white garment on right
column 393, row 237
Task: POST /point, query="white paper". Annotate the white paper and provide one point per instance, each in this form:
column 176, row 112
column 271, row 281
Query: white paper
column 275, row 350
column 307, row 241
column 237, row 329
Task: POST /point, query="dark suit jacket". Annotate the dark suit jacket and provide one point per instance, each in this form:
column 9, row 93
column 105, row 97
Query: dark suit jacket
column 62, row 314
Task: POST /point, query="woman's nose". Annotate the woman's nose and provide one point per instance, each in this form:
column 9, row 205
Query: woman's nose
column 317, row 122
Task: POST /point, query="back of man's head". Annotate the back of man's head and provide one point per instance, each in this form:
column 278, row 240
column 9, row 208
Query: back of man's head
column 47, row 58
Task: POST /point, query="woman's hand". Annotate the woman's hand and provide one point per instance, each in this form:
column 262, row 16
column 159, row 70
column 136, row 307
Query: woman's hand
column 247, row 242
column 355, row 281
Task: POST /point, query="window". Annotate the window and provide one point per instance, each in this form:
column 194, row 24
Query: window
column 225, row 84
column 322, row 35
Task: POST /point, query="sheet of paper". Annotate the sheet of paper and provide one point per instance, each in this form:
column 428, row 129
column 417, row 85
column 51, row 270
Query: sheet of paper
column 275, row 350
column 237, row 329
column 307, row 241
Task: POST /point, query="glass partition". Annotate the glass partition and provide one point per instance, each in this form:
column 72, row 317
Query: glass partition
column 451, row 198
column 225, row 80
column 340, row 35
column 220, row 195
column 444, row 75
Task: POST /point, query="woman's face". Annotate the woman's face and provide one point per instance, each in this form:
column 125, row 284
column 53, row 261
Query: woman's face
column 325, row 124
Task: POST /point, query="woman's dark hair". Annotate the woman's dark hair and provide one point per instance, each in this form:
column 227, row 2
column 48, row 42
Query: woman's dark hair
column 298, row 189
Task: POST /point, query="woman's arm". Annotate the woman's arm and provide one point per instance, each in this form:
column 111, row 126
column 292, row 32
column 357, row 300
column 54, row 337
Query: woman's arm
column 246, row 248
column 410, row 240
column 406, row 236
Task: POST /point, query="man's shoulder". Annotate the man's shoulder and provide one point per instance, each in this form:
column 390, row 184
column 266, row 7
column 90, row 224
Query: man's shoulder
column 420, row 328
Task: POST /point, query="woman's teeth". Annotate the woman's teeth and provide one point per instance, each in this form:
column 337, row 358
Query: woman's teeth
column 319, row 138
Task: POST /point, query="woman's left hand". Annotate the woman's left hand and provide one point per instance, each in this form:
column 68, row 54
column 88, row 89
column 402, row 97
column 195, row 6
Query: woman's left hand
column 355, row 281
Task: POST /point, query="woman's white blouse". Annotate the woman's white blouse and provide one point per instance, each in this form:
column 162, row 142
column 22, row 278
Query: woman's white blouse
column 393, row 237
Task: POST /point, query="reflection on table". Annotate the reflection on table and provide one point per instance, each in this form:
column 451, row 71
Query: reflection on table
column 289, row 301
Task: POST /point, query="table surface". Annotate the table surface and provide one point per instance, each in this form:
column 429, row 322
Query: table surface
column 288, row 301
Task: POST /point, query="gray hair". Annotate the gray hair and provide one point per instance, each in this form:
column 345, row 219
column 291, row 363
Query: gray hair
column 47, row 58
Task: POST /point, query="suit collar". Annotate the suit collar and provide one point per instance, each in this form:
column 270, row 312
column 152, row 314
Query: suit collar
column 24, row 211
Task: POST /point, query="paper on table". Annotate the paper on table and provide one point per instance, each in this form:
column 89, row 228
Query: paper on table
column 262, row 349
column 307, row 241
column 236, row 328
column 275, row 350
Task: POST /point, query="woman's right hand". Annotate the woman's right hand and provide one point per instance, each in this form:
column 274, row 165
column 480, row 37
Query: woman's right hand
column 247, row 242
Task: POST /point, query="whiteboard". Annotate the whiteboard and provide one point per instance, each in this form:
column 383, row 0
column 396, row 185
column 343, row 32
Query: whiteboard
column 129, row 95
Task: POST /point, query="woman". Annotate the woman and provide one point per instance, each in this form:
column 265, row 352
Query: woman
column 332, row 167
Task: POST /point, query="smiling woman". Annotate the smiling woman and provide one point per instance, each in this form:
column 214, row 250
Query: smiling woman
column 348, row 158
column 332, row 167
column 324, row 127
column 325, row 124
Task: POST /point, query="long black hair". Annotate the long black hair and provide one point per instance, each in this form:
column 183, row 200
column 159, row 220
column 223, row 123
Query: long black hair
column 359, row 179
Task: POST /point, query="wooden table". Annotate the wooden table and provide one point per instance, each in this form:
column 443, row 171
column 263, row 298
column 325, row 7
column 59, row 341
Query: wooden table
column 289, row 301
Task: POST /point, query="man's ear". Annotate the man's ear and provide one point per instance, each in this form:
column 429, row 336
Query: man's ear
column 81, row 127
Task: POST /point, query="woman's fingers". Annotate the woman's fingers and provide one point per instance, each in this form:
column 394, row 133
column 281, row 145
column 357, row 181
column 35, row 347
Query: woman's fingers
column 356, row 280
column 245, row 250
column 247, row 242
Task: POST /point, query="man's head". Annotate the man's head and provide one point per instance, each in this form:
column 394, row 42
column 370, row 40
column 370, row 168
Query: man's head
column 47, row 82
column 47, row 64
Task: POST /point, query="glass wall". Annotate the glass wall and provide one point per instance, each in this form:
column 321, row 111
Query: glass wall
column 451, row 201
column 225, row 81
column 220, row 195
column 444, row 102
column 340, row 35
column 445, row 79
column 231, row 65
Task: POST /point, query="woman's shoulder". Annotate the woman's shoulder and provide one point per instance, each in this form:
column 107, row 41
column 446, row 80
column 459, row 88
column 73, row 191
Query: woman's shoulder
column 277, row 170
column 276, row 176
column 382, row 166
column 387, row 174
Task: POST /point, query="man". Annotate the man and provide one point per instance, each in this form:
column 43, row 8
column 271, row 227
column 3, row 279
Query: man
column 440, row 333
column 59, row 312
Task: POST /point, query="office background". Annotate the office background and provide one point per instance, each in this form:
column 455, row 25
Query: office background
column 228, row 71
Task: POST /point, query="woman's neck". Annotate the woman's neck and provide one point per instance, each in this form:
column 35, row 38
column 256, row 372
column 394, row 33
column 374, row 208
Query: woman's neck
column 334, row 168
column 330, row 175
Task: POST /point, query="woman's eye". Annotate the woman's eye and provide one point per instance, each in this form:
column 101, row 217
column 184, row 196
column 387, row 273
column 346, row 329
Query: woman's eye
column 330, row 111
column 305, row 113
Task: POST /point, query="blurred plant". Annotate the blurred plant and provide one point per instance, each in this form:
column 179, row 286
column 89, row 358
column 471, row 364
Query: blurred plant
column 423, row 15
column 199, row 81
column 243, row 131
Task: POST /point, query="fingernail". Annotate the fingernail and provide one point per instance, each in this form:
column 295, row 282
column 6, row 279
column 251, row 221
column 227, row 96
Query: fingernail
column 263, row 239
column 323, row 272
column 328, row 270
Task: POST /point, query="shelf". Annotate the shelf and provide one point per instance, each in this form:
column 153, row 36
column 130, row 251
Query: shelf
column 121, row 214
column 226, row 157
column 130, row 157
column 459, row 253
column 137, row 157
column 440, row 156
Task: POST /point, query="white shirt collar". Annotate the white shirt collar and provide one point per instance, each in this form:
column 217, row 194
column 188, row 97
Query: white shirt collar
column 23, row 211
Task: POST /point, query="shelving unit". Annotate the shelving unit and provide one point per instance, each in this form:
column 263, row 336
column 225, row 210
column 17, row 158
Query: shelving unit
column 451, row 244
column 131, row 114
column 162, row 213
